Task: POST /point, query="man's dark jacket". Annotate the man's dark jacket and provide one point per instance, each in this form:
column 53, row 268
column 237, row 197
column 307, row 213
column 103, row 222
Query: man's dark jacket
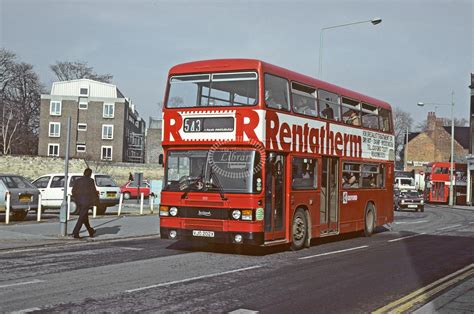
column 85, row 193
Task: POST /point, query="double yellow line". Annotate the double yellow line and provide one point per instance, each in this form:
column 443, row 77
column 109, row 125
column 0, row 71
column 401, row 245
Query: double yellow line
column 424, row 294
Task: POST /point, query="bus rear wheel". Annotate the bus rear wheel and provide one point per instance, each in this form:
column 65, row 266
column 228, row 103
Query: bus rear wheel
column 299, row 230
column 369, row 221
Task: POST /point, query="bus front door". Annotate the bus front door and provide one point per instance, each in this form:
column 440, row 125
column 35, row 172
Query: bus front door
column 274, row 197
column 329, row 209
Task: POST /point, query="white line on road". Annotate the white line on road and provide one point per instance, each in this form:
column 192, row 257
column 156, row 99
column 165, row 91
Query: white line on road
column 131, row 248
column 21, row 283
column 449, row 227
column 192, row 279
column 407, row 237
column 32, row 309
column 411, row 222
column 335, row 252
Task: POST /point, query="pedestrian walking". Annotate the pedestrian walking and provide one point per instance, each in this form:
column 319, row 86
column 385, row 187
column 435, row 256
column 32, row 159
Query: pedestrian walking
column 130, row 177
column 85, row 195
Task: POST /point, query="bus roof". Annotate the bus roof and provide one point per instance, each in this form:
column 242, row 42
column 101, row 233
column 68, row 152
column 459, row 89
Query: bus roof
column 221, row 65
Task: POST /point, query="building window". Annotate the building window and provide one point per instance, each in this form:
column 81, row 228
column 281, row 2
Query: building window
column 108, row 111
column 82, row 126
column 107, row 132
column 54, row 129
column 81, row 148
column 83, row 103
column 53, row 149
column 106, row 153
column 55, row 108
column 84, row 91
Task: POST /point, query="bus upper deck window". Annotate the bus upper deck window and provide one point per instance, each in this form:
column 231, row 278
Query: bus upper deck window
column 329, row 105
column 276, row 92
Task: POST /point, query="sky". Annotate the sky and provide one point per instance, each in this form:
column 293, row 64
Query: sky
column 421, row 52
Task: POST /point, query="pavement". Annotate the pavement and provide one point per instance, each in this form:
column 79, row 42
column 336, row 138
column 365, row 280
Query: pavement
column 111, row 226
column 20, row 236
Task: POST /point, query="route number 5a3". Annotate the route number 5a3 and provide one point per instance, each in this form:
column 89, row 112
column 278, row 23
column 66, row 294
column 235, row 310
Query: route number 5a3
column 192, row 125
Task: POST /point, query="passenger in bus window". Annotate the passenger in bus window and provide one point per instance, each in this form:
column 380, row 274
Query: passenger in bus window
column 353, row 181
column 345, row 181
column 353, row 118
column 372, row 181
column 269, row 100
column 328, row 113
column 302, row 106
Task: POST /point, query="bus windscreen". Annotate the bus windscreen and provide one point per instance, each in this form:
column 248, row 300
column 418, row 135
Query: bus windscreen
column 211, row 90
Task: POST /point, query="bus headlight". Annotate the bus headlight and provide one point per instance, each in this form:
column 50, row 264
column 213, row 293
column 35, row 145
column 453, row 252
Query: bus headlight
column 173, row 234
column 164, row 211
column 173, row 211
column 238, row 238
column 247, row 214
column 236, row 214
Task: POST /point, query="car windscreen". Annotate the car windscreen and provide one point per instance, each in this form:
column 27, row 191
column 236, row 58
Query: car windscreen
column 16, row 182
column 104, row 181
column 411, row 194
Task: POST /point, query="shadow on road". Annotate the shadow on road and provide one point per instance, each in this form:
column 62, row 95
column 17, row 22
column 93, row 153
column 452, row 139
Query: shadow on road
column 107, row 230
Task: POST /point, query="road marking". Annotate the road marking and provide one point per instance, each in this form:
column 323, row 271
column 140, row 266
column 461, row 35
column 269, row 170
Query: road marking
column 449, row 227
column 32, row 309
column 411, row 222
column 423, row 294
column 407, row 237
column 169, row 283
column 243, row 311
column 335, row 252
column 21, row 283
column 130, row 248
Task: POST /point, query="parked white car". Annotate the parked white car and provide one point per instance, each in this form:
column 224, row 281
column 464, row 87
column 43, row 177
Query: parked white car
column 51, row 187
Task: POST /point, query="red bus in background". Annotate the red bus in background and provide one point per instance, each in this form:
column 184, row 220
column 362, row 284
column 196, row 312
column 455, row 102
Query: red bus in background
column 437, row 183
column 257, row 154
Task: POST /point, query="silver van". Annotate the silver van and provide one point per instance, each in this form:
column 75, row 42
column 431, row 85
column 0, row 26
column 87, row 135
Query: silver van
column 51, row 187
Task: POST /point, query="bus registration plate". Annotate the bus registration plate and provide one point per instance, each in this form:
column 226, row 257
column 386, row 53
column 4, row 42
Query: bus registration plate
column 200, row 233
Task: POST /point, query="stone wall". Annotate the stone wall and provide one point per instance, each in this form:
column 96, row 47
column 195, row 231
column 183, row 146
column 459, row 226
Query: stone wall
column 32, row 167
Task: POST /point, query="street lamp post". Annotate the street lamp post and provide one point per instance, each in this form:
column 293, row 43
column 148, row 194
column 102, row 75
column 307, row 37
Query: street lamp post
column 374, row 21
column 451, row 173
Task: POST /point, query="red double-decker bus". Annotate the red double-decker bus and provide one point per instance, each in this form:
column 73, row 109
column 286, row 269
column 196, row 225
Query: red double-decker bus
column 260, row 155
column 438, row 183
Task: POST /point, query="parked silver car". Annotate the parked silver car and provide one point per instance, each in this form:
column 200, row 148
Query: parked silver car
column 23, row 195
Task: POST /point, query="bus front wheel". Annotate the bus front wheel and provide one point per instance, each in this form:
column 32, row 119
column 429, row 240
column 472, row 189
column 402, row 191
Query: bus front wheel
column 369, row 224
column 299, row 230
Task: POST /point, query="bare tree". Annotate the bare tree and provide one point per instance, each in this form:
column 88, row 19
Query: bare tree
column 402, row 122
column 19, row 105
column 73, row 70
column 102, row 166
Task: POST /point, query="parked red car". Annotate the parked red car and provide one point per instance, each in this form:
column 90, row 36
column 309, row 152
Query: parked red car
column 130, row 190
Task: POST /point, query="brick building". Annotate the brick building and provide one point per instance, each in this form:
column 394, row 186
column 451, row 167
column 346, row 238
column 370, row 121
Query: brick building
column 153, row 141
column 434, row 144
column 104, row 124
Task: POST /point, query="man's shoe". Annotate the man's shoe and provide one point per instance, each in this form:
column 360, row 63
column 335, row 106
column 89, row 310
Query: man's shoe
column 76, row 236
column 91, row 232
